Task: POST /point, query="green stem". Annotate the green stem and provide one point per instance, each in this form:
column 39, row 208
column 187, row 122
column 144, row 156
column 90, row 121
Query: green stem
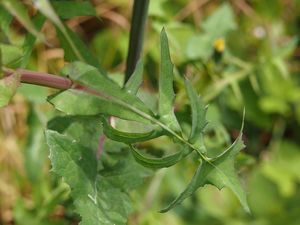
column 138, row 21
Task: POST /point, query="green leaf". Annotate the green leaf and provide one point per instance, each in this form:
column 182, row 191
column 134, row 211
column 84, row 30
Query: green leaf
column 220, row 22
column 219, row 172
column 11, row 54
column 100, row 192
column 166, row 92
column 47, row 10
column 158, row 163
column 215, row 26
column 198, row 117
column 199, row 46
column 84, row 130
column 136, row 79
column 8, row 87
column 36, row 149
column 126, row 174
column 95, row 199
column 71, row 54
column 127, row 137
column 38, row 20
column 5, row 20
column 17, row 9
column 106, row 98
column 76, row 102
column 74, row 48
column 69, row 9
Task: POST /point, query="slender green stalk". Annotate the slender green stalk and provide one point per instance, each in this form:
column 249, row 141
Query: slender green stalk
column 138, row 21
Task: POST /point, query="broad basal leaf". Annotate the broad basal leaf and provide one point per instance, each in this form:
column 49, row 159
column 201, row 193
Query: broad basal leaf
column 127, row 174
column 85, row 130
column 198, row 117
column 219, row 172
column 95, row 199
column 166, row 91
column 99, row 192
column 8, row 87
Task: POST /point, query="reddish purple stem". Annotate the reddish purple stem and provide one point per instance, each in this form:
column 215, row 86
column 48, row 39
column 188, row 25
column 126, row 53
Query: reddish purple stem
column 42, row 79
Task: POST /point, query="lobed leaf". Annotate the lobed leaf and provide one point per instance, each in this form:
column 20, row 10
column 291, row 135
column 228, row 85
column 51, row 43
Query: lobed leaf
column 100, row 95
column 198, row 117
column 219, row 172
column 166, row 91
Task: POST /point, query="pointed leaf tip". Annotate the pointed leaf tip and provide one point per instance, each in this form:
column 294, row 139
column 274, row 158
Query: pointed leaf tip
column 166, row 90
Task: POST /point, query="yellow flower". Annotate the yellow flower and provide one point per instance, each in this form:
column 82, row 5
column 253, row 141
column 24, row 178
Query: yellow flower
column 219, row 45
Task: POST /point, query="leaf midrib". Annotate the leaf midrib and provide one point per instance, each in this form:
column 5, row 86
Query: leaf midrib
column 147, row 117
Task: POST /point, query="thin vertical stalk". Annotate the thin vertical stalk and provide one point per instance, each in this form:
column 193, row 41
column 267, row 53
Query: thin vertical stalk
column 137, row 30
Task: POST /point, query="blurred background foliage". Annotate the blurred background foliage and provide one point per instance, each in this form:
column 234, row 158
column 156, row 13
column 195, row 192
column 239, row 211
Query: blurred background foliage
column 238, row 53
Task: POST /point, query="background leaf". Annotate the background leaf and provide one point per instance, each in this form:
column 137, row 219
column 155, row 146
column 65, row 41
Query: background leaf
column 71, row 54
column 38, row 20
column 17, row 9
column 8, row 87
column 70, row 9
column 5, row 19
